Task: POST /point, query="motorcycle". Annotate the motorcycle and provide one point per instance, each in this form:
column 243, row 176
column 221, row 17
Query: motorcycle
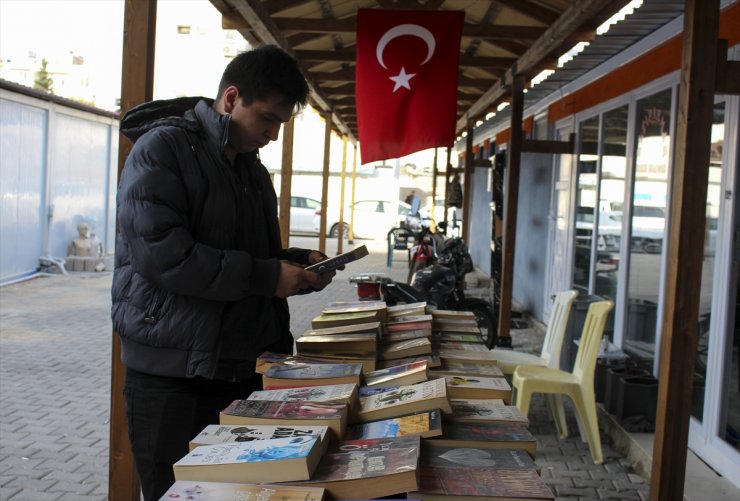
column 440, row 284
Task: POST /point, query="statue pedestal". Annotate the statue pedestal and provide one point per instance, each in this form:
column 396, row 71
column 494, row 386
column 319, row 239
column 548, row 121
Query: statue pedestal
column 86, row 263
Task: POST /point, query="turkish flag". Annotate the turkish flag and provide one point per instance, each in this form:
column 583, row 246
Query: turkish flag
column 407, row 65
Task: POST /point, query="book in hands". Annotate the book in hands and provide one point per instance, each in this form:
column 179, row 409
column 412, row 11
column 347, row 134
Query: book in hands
column 222, row 491
column 214, row 434
column 335, row 262
column 271, row 460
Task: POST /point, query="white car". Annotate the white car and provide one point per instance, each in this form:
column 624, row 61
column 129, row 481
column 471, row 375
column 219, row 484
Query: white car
column 302, row 212
column 373, row 218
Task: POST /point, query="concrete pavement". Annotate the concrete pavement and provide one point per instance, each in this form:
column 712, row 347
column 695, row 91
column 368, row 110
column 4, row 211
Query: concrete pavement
column 55, row 359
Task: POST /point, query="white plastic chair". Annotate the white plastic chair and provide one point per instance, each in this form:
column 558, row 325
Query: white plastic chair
column 578, row 384
column 508, row 360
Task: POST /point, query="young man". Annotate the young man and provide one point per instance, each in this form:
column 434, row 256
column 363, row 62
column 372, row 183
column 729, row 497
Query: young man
column 201, row 281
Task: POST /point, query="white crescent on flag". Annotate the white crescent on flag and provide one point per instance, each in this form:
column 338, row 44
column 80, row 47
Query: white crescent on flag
column 406, row 29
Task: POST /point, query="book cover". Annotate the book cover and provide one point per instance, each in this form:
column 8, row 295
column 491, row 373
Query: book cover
column 471, row 410
column 271, row 460
column 424, row 424
column 335, row 262
column 397, row 326
column 403, row 349
column 453, row 315
column 366, row 391
column 292, row 375
column 415, row 372
column 461, row 346
column 345, row 393
column 339, row 319
column 408, row 309
column 394, row 337
column 409, row 319
column 432, row 360
column 424, row 396
column 437, row 484
column 486, row 435
column 367, row 474
column 369, row 327
column 219, row 433
column 339, row 345
column 296, row 413
column 450, row 456
column 445, row 337
column 478, row 357
column 469, row 369
column 354, row 306
column 478, row 387
column 268, row 359
column 189, row 490
column 377, row 444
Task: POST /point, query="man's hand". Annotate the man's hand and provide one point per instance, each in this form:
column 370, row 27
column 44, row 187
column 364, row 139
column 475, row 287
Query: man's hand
column 293, row 278
column 324, row 278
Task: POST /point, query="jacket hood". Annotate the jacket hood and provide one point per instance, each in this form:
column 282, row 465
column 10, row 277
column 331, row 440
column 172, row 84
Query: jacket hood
column 147, row 116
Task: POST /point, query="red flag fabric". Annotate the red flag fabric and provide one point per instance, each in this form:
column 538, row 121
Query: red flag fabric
column 406, row 80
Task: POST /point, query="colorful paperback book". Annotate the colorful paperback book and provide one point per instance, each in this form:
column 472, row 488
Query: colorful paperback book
column 367, row 474
column 339, row 345
column 407, row 309
column 325, row 321
column 447, row 337
column 491, row 484
column 366, row 391
column 296, row 413
column 462, row 346
column 268, row 359
column 394, row 337
column 214, row 434
column 415, row 372
column 468, row 369
column 473, row 410
column 271, row 460
column 377, row 444
column 354, row 306
column 424, row 424
column 408, row 348
column 452, row 315
column 345, row 393
column 296, row 375
column 486, row 435
column 432, row 360
column 450, row 456
column 477, row 357
column 478, row 387
column 369, row 327
column 190, row 490
column 408, row 399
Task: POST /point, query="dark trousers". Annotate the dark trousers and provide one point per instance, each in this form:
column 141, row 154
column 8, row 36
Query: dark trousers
column 165, row 413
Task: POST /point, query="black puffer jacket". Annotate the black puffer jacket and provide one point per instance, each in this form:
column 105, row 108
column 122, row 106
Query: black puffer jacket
column 197, row 256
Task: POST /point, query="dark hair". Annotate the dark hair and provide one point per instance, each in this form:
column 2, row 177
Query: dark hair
column 263, row 71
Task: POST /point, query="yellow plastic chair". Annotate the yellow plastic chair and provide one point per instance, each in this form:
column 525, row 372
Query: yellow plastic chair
column 508, row 360
column 578, row 385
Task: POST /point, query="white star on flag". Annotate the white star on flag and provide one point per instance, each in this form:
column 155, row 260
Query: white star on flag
column 402, row 79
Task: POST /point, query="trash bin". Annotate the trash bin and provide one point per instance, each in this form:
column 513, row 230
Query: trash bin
column 575, row 327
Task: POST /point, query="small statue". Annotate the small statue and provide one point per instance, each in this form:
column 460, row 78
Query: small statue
column 81, row 246
column 85, row 252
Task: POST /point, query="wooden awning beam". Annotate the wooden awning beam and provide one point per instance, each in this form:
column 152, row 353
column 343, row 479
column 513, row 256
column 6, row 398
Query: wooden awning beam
column 560, row 31
column 550, row 147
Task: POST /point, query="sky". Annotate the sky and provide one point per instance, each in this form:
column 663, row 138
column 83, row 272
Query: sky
column 191, row 65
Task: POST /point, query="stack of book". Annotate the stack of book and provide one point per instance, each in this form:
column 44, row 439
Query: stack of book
column 377, row 401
